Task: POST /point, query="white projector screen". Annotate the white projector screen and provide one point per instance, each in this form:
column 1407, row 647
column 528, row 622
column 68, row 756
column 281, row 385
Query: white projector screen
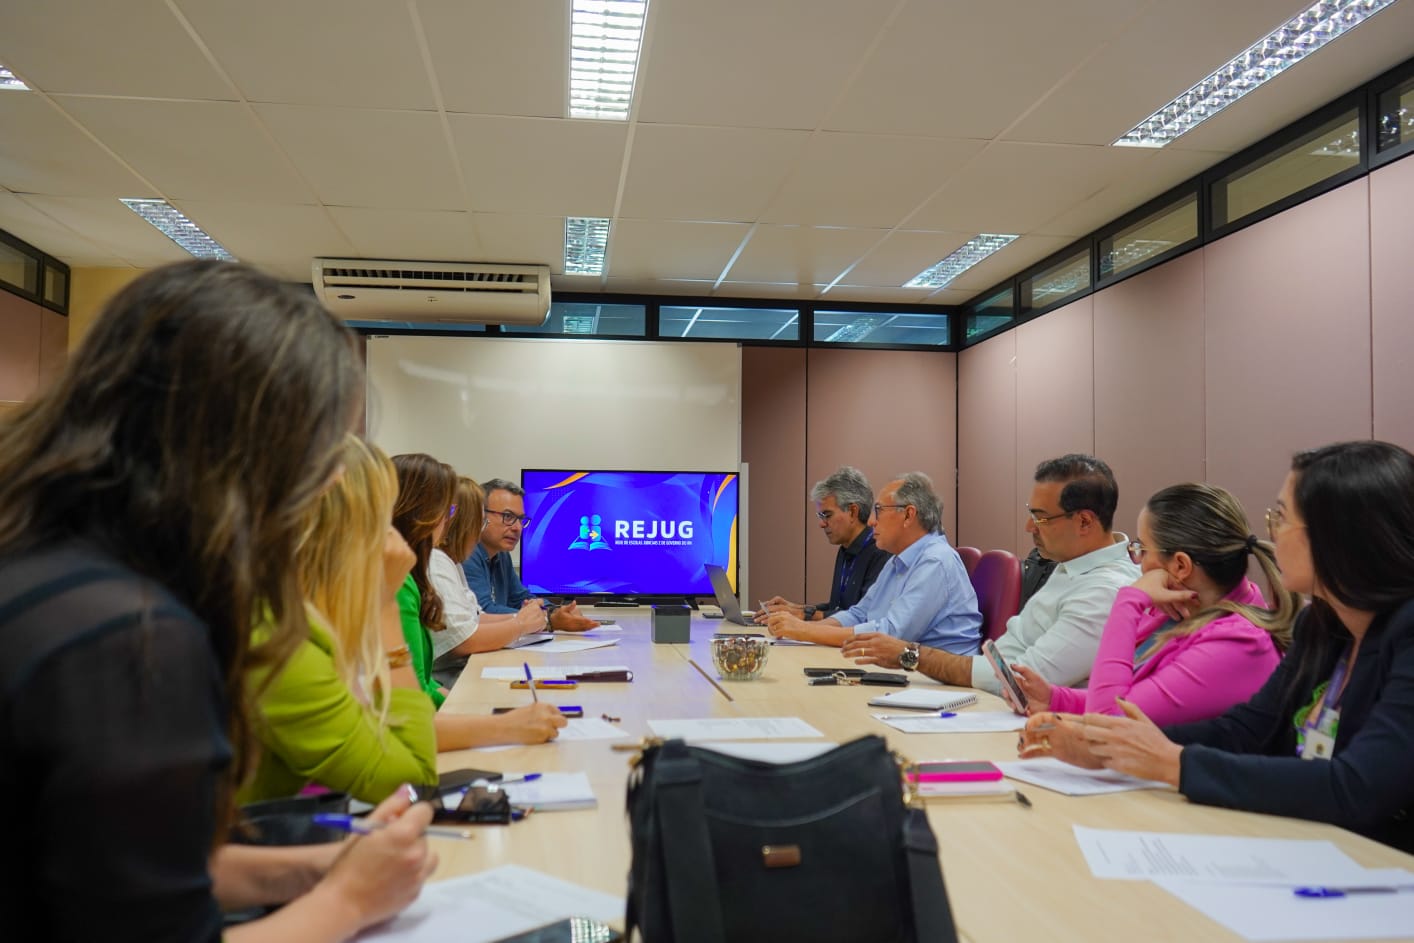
column 492, row 406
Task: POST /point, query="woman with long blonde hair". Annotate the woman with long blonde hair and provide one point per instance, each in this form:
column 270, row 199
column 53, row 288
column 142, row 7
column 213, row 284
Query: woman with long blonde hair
column 333, row 715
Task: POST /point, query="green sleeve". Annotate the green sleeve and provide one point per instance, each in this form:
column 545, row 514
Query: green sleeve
column 312, row 729
column 418, row 640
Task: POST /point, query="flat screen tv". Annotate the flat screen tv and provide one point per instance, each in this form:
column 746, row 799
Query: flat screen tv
column 627, row 533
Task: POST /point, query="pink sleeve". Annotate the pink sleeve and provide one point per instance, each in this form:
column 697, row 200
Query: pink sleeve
column 1067, row 700
column 1112, row 675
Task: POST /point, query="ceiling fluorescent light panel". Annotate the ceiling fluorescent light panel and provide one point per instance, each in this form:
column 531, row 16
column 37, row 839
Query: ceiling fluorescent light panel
column 973, row 251
column 9, row 80
column 605, row 38
column 1256, row 65
column 174, row 224
column 586, row 241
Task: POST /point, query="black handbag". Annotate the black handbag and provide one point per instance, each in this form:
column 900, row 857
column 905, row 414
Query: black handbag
column 824, row 849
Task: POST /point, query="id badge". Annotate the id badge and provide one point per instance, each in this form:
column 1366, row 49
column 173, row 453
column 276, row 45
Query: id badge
column 1318, row 746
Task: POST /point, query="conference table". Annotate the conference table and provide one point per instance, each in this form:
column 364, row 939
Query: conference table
column 1012, row 873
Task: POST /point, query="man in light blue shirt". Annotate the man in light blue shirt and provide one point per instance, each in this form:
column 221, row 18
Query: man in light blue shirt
column 923, row 594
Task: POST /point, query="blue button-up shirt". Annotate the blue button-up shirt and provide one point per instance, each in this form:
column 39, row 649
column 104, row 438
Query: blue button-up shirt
column 924, row 596
column 494, row 581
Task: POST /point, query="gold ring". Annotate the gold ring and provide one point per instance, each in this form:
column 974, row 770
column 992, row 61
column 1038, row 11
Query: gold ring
column 1046, row 742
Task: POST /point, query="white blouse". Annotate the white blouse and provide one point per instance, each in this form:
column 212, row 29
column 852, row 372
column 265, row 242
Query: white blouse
column 462, row 611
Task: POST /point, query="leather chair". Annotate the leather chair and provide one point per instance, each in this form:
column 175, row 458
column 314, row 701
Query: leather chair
column 970, row 556
column 997, row 580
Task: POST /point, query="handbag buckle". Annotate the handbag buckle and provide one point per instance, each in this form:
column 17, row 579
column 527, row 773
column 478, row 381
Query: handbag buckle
column 780, row 856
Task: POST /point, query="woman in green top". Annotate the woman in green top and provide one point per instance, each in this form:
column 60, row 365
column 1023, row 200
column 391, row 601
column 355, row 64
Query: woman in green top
column 333, row 714
column 424, row 506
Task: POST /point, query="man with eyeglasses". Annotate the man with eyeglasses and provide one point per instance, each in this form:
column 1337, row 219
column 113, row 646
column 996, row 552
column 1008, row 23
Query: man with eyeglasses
column 922, row 596
column 1057, row 633
column 843, row 503
column 489, row 570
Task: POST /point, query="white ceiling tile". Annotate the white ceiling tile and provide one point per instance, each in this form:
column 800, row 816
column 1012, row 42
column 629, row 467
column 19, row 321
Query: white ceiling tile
column 135, row 47
column 361, row 157
column 500, row 58
column 545, row 166
column 352, row 53
column 950, row 296
column 1013, row 188
column 270, row 232
column 707, row 173
column 531, row 240
column 1163, row 171
column 902, row 255
column 803, row 254
column 970, row 69
column 749, row 64
column 890, row 177
column 41, row 151
column 112, row 226
column 841, row 294
column 48, row 235
column 653, row 286
column 430, row 235
column 766, row 290
column 648, row 249
column 221, row 152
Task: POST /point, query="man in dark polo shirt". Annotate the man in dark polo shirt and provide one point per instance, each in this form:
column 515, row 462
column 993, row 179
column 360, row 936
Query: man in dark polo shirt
column 843, row 502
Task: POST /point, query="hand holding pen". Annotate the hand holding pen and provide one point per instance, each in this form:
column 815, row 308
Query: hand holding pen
column 380, row 874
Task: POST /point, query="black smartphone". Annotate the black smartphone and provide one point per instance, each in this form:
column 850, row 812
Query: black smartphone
column 570, row 930
column 831, row 672
column 458, row 779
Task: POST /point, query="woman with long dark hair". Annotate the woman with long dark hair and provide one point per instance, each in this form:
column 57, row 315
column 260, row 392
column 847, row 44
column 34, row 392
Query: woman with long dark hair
column 1330, row 736
column 150, row 504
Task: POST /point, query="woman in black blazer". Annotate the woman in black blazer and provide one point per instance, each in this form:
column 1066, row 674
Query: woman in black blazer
column 1330, row 737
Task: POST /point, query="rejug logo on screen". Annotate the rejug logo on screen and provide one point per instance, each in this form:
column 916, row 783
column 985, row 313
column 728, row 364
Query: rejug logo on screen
column 591, row 534
column 653, row 533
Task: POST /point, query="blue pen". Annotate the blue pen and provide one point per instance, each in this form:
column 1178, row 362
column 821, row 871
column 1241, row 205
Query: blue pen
column 1334, row 892
column 530, row 682
column 527, row 778
column 947, row 714
column 363, row 826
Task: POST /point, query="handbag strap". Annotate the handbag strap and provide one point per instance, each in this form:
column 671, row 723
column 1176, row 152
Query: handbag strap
column 691, row 877
column 932, row 915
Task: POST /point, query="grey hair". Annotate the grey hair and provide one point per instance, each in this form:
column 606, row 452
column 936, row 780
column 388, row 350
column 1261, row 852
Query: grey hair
column 501, row 484
column 847, row 485
column 916, row 488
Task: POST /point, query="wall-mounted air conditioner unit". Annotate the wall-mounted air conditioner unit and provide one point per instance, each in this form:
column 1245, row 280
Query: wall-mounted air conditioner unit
column 383, row 290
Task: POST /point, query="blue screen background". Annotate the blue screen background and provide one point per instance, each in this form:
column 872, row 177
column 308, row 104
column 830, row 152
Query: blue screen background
column 564, row 552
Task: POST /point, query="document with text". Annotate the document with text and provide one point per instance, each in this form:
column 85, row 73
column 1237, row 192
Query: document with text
column 1142, row 856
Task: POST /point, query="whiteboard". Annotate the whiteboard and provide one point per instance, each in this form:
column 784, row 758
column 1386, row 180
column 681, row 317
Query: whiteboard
column 490, row 406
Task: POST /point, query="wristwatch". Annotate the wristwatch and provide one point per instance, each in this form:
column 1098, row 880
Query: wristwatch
column 807, row 613
column 908, row 658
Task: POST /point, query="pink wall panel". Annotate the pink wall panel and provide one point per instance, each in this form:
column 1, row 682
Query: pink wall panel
column 989, row 509
column 1055, row 393
column 773, row 445
column 1287, row 340
column 19, row 347
column 1149, row 381
column 1392, row 300
column 53, row 345
column 885, row 412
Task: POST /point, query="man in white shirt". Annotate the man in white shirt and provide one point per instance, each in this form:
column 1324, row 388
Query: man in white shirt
column 1069, row 518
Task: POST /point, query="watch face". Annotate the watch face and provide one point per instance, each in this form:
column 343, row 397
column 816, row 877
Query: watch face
column 908, row 658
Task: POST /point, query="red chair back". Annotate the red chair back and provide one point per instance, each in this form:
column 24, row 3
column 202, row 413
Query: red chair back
column 997, row 580
column 970, row 556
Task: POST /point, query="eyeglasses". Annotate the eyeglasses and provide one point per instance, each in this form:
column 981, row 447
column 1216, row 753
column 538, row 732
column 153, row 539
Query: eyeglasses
column 887, row 507
column 1276, row 520
column 509, row 518
column 1137, row 550
column 451, row 512
column 1041, row 517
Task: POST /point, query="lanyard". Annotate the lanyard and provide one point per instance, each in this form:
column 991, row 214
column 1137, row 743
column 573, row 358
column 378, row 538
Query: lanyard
column 1319, row 717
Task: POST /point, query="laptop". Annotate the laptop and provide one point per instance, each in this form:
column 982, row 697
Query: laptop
column 726, row 599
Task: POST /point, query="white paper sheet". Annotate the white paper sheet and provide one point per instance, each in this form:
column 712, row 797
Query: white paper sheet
column 1138, row 856
column 778, row 752
column 544, row 672
column 965, row 722
column 532, row 640
column 735, row 728
column 591, row 632
column 559, row 645
column 552, row 792
column 590, row 728
column 1050, row 773
column 483, row 907
column 1274, row 912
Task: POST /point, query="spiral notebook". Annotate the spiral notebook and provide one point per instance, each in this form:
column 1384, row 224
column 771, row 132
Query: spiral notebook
column 924, row 699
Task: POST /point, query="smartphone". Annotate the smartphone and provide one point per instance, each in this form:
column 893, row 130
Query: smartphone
column 1004, row 675
column 570, row 930
column 456, row 779
column 955, row 772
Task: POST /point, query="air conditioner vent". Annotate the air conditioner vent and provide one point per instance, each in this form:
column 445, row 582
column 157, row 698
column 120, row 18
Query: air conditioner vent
column 475, row 292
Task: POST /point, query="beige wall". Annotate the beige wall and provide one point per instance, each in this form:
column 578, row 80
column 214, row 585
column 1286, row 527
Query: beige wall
column 33, row 346
column 1216, row 366
column 89, row 291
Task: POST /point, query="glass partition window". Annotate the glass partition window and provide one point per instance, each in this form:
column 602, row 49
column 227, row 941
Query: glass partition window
column 1396, row 116
column 1054, row 284
column 990, row 316
column 576, row 319
column 19, row 269
column 881, row 327
column 56, row 286
column 1317, row 156
column 729, row 324
column 1155, row 234
column 419, row 327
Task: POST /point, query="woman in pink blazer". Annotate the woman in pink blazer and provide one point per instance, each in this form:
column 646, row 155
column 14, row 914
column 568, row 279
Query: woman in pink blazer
column 1193, row 635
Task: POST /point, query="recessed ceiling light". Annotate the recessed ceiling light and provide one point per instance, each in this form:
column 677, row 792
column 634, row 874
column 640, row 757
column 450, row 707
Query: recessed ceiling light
column 975, row 250
column 175, row 226
column 586, row 239
column 605, row 36
column 8, row 80
column 1259, row 63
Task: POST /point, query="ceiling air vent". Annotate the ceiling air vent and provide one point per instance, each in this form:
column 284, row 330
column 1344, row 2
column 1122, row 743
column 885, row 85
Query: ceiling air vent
column 455, row 292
